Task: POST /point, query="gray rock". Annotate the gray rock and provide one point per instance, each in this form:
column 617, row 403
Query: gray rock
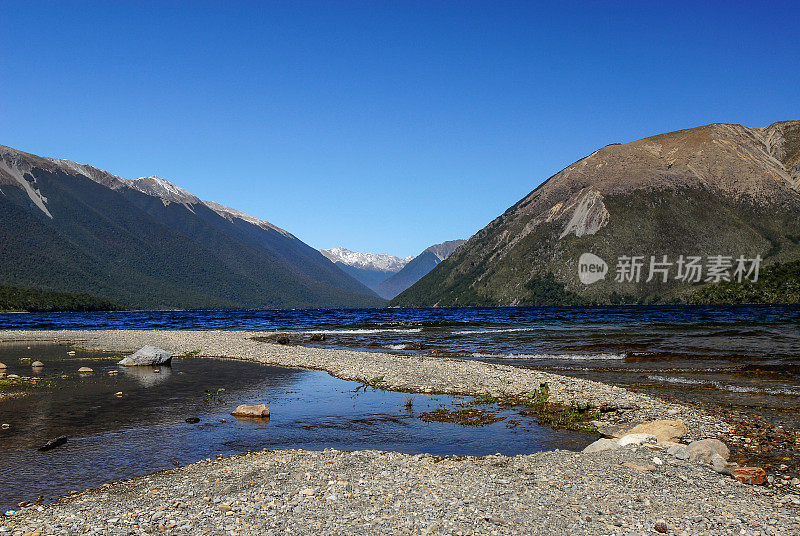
column 678, row 451
column 704, row 450
column 722, row 466
column 147, row 356
column 600, row 445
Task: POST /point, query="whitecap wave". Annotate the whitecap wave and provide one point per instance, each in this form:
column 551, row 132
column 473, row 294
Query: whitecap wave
column 363, row 331
column 554, row 357
column 731, row 388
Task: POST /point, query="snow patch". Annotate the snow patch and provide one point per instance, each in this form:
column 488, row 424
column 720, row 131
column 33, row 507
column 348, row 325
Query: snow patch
column 231, row 214
column 163, row 189
column 370, row 261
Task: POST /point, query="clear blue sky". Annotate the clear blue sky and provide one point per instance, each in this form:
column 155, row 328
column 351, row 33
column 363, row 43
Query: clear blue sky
column 379, row 126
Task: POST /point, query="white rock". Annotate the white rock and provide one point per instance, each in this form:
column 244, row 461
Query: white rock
column 637, row 439
column 147, row 356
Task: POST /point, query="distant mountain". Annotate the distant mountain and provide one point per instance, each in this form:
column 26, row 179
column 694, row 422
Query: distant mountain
column 368, row 268
column 414, row 270
column 718, row 190
column 148, row 243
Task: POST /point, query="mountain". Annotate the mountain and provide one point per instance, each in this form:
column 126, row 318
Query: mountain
column 147, row 243
column 717, row 190
column 416, row 268
column 368, row 268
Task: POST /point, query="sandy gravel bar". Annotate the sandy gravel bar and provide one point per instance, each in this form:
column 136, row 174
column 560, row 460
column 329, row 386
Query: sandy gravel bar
column 423, row 374
column 623, row 492
column 353, row 493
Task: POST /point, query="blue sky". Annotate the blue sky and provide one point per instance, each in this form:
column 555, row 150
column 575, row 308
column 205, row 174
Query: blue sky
column 379, row 126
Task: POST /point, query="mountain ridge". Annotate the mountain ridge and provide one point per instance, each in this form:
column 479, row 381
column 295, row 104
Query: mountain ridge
column 149, row 243
column 715, row 189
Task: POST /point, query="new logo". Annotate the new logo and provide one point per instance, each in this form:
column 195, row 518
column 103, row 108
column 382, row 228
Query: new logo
column 591, row 268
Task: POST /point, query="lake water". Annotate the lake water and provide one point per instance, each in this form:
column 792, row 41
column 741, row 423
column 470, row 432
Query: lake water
column 145, row 430
column 742, row 356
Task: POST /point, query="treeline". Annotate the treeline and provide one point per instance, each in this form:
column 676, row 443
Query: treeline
column 779, row 283
column 36, row 301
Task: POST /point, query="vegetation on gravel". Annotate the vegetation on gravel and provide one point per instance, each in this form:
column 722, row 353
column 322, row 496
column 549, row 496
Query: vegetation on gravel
column 537, row 404
column 464, row 417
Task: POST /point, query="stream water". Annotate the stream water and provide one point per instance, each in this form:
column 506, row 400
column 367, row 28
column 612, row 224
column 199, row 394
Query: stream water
column 145, row 430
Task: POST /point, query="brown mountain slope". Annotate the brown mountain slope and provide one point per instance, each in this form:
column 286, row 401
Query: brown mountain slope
column 714, row 190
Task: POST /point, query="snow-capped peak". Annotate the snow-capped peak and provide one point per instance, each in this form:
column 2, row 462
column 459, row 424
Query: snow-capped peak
column 373, row 261
column 163, row 189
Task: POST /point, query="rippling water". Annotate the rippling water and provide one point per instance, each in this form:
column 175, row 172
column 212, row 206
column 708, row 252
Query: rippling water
column 736, row 355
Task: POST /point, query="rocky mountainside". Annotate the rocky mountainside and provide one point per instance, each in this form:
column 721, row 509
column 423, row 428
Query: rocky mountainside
column 148, row 243
column 414, row 270
column 682, row 207
column 371, row 269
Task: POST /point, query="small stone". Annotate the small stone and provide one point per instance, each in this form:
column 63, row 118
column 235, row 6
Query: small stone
column 661, row 527
column 224, row 507
column 53, row 443
column 637, row 439
column 658, row 461
column 3, row 366
column 307, row 492
column 754, row 476
column 259, row 411
column 5, row 426
column 192, row 420
column 119, row 394
column 37, row 364
column 85, row 370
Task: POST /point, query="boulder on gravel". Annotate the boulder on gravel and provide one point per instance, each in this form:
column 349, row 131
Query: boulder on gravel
column 37, row 364
column 147, row 356
column 703, row 450
column 723, row 466
column 600, row 445
column 258, row 411
column 637, row 439
column 665, row 431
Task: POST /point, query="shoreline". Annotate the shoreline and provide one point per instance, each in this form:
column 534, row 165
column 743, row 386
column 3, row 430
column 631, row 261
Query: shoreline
column 564, row 491
column 414, row 374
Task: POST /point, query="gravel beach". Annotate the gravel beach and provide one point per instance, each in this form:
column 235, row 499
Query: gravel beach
column 633, row 490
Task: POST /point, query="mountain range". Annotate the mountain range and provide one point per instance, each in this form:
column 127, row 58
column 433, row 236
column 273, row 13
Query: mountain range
column 371, row 269
column 388, row 275
column 148, row 243
column 720, row 191
column 415, row 269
